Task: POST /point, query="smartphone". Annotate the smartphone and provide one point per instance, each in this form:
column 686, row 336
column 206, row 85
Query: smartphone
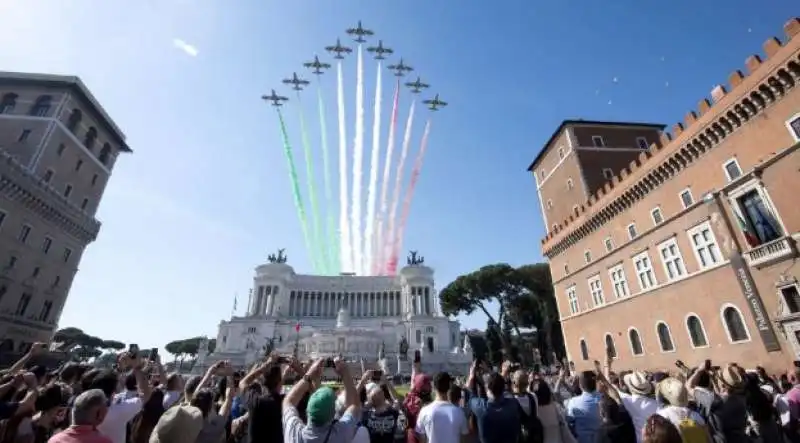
column 284, row 360
column 707, row 365
column 329, row 363
column 153, row 354
column 417, row 356
column 796, row 363
column 133, row 350
column 679, row 364
column 376, row 375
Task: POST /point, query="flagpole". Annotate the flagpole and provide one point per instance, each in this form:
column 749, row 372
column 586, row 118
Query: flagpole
column 235, row 298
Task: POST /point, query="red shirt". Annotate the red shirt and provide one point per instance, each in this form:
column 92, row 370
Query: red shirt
column 80, row 434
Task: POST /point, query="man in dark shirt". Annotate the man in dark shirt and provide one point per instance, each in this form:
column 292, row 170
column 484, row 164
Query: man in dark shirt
column 265, row 410
column 497, row 416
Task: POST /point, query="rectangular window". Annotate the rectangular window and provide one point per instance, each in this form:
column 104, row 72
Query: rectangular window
column 596, row 289
column 705, row 246
column 78, row 165
column 48, row 176
column 608, row 174
column 794, row 126
column 732, row 169
column 67, row 191
column 686, row 198
column 632, row 231
column 644, row 271
column 46, row 244
column 2, row 218
column 656, row 215
column 94, row 179
column 587, row 256
column 671, row 257
column 570, row 185
column 12, row 262
column 44, row 314
column 549, row 204
column 598, row 141
column 791, row 299
column 24, row 232
column 22, row 305
column 572, row 297
column 23, row 136
column 618, row 281
column 560, row 152
column 609, row 244
column 641, row 142
column 67, row 254
column 60, row 149
column 84, row 203
column 757, row 219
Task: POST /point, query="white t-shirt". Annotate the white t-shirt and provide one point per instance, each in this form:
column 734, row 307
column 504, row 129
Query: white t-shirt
column 170, row 397
column 676, row 414
column 442, row 422
column 117, row 418
column 640, row 408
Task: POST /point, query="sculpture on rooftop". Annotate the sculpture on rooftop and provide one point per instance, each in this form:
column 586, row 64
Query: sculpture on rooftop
column 279, row 258
column 414, row 259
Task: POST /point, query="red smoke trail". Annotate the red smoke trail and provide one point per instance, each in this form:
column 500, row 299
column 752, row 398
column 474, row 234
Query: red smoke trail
column 398, row 241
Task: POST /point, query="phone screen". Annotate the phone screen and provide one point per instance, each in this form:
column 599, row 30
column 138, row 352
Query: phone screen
column 133, row 350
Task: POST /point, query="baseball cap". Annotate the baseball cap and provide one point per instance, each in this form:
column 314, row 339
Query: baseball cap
column 321, row 406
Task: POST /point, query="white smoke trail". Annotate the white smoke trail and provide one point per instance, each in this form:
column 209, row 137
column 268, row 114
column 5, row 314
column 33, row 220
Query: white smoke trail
column 398, row 184
column 379, row 267
column 346, row 252
column 358, row 161
column 374, row 164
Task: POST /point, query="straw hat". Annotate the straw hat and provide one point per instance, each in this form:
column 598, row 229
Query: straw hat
column 731, row 376
column 673, row 391
column 638, row 383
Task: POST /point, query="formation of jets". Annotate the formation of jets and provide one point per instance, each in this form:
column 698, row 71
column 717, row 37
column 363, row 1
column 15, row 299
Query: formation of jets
column 359, row 32
column 400, row 69
column 435, row 104
column 317, row 66
column 338, row 50
column 297, row 83
column 380, row 50
column 417, row 85
column 276, row 99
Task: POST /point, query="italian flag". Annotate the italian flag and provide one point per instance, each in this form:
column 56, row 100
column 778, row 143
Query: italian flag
column 749, row 237
column 297, row 327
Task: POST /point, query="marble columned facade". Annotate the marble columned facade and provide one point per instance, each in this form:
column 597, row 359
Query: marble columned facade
column 353, row 316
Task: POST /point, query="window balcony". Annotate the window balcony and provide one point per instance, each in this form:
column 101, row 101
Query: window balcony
column 771, row 252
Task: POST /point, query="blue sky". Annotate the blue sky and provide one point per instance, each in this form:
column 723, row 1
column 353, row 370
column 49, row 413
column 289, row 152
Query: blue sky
column 205, row 197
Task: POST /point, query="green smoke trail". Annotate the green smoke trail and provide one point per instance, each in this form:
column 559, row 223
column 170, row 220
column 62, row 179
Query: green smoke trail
column 333, row 239
column 316, row 236
column 298, row 201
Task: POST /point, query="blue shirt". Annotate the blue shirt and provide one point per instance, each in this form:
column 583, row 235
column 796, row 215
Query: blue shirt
column 498, row 419
column 583, row 416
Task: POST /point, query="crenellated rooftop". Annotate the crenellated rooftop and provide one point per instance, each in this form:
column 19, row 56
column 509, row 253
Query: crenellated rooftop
column 746, row 96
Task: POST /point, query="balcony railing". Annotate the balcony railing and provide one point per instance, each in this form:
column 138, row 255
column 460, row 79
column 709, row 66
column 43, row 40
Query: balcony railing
column 771, row 252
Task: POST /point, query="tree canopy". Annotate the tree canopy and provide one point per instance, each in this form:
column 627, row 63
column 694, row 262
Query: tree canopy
column 523, row 298
column 188, row 346
column 83, row 346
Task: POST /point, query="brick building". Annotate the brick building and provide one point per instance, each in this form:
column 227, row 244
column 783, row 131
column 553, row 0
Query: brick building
column 682, row 244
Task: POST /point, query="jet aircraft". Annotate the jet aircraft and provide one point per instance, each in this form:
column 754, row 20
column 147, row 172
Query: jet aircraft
column 317, row 66
column 435, row 104
column 417, row 85
column 380, row 50
column 275, row 99
column 297, row 82
column 400, row 68
column 338, row 49
column 359, row 32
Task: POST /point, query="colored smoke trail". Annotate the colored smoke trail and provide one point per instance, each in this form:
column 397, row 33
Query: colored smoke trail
column 333, row 244
column 345, row 247
column 316, row 236
column 358, row 161
column 298, row 201
column 408, row 197
column 391, row 233
column 374, row 164
column 378, row 265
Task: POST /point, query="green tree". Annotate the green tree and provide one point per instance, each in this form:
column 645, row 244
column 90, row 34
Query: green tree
column 536, row 307
column 81, row 345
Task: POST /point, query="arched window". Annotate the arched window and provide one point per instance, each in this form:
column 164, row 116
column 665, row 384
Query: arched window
column 611, row 350
column 636, row 342
column 8, row 103
column 584, row 350
column 664, row 337
column 697, row 334
column 734, row 324
column 42, row 106
column 74, row 120
column 419, row 336
column 91, row 137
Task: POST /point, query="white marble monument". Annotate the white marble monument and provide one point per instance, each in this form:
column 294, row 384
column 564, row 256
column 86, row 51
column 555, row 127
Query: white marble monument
column 352, row 316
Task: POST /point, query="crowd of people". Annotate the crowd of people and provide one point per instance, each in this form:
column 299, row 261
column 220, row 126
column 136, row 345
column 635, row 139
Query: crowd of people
column 138, row 402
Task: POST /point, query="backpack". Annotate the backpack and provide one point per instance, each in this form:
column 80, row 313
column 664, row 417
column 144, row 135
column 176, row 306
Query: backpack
column 691, row 431
column 531, row 429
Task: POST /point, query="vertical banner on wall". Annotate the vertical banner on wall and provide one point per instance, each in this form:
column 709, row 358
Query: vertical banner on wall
column 754, row 303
